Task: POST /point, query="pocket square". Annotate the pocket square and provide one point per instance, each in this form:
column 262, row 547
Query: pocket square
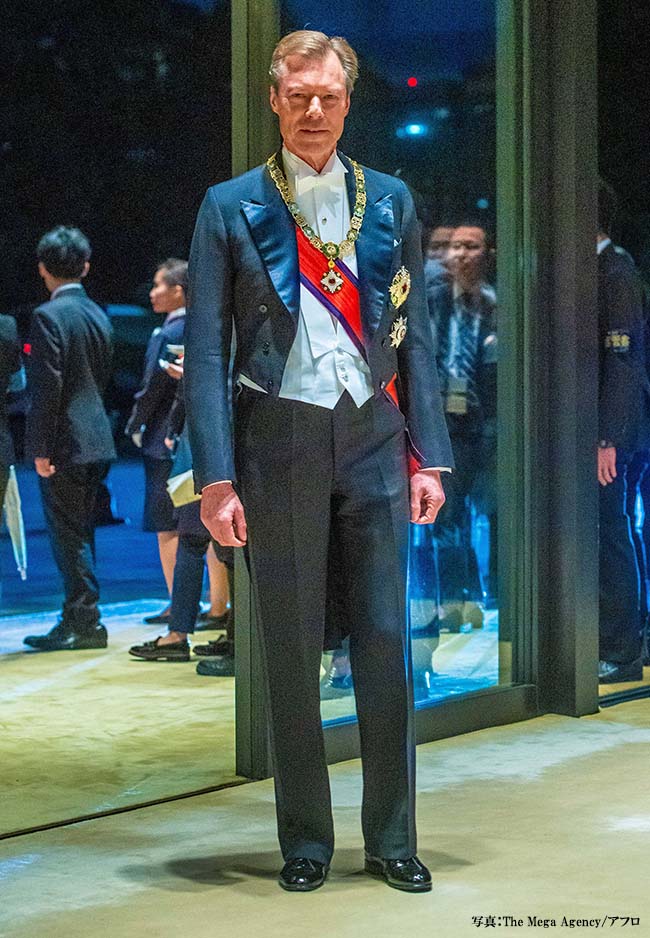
column 397, row 242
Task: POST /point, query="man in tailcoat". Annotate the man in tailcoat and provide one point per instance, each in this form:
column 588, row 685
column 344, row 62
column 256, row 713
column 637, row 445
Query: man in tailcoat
column 316, row 263
column 68, row 431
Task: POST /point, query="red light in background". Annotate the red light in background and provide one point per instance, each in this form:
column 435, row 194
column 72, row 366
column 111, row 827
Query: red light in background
column 412, row 82
column 27, row 348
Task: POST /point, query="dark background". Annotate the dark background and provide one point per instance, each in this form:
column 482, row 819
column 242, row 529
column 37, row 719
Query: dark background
column 624, row 110
column 116, row 117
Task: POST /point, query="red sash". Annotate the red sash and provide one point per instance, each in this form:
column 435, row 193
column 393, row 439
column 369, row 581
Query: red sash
column 343, row 305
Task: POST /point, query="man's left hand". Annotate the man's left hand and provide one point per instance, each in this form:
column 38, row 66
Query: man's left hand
column 44, row 467
column 606, row 464
column 427, row 496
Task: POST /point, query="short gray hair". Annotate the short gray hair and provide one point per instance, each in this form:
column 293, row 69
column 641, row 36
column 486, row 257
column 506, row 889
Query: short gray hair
column 311, row 44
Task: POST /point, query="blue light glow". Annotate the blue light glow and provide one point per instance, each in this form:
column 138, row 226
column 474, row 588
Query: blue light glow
column 415, row 130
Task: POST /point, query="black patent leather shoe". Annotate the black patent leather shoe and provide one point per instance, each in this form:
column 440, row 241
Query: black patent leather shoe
column 409, row 875
column 303, row 875
column 155, row 651
column 63, row 638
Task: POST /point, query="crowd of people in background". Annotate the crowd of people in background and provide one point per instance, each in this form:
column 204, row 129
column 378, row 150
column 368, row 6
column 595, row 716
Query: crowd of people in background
column 70, row 441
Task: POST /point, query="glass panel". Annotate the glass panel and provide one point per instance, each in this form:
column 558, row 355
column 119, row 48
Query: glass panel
column 424, row 110
column 624, row 305
column 115, row 118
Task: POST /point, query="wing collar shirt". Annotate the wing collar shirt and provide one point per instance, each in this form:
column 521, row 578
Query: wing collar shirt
column 322, row 362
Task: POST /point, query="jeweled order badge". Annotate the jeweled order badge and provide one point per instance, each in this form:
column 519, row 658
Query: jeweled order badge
column 400, row 287
column 398, row 331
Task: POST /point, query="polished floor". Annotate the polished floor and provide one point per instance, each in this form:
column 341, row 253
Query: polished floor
column 90, row 731
column 548, row 818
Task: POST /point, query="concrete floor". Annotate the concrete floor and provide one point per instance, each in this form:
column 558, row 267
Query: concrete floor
column 545, row 818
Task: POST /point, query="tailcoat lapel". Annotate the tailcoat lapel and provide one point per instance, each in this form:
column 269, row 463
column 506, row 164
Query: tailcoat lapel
column 374, row 249
column 274, row 233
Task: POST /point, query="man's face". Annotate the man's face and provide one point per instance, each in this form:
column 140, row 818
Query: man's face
column 311, row 103
column 164, row 298
column 467, row 255
column 439, row 243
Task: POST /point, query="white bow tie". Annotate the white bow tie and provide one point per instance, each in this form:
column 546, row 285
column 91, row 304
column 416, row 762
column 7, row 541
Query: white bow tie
column 334, row 178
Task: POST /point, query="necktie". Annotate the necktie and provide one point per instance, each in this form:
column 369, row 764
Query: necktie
column 466, row 347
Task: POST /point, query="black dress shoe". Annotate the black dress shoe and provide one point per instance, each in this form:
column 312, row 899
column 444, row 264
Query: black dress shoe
column 303, row 875
column 223, row 666
column 63, row 638
column 611, row 673
column 160, row 618
column 409, row 875
column 207, row 623
column 154, row 651
column 219, row 646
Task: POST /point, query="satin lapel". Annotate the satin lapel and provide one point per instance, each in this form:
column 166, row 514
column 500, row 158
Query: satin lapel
column 274, row 233
column 374, row 250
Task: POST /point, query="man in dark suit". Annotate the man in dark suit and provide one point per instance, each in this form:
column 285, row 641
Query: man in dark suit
column 624, row 430
column 68, row 431
column 463, row 319
column 10, row 366
column 317, row 263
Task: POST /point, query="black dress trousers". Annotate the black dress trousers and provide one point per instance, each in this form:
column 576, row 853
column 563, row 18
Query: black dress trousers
column 69, row 507
column 326, row 500
column 619, row 589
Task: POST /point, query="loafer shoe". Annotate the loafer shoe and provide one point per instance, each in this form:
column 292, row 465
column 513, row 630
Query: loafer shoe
column 155, row 651
column 409, row 875
column 160, row 618
column 207, row 623
column 611, row 673
column 220, row 646
column 223, row 666
column 303, row 875
column 64, row 639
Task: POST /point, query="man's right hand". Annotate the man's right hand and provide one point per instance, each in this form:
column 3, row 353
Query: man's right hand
column 223, row 514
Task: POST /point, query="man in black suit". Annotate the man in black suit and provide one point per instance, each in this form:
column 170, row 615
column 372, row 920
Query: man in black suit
column 624, row 430
column 10, row 365
column 316, row 263
column 68, row 432
column 463, row 319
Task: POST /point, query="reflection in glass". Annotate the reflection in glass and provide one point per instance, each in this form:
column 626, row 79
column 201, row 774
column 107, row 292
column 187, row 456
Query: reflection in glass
column 125, row 100
column 424, row 110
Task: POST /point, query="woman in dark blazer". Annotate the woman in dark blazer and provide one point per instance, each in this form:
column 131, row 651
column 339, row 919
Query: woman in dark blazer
column 149, row 418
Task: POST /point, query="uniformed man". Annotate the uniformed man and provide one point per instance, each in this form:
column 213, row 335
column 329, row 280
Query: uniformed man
column 624, row 429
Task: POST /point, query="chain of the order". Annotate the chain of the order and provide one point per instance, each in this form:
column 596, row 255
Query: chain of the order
column 330, row 249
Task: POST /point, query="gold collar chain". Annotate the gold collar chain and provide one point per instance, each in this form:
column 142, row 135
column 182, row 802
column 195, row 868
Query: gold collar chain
column 331, row 250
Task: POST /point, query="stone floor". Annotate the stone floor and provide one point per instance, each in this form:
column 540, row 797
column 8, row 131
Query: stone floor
column 548, row 818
